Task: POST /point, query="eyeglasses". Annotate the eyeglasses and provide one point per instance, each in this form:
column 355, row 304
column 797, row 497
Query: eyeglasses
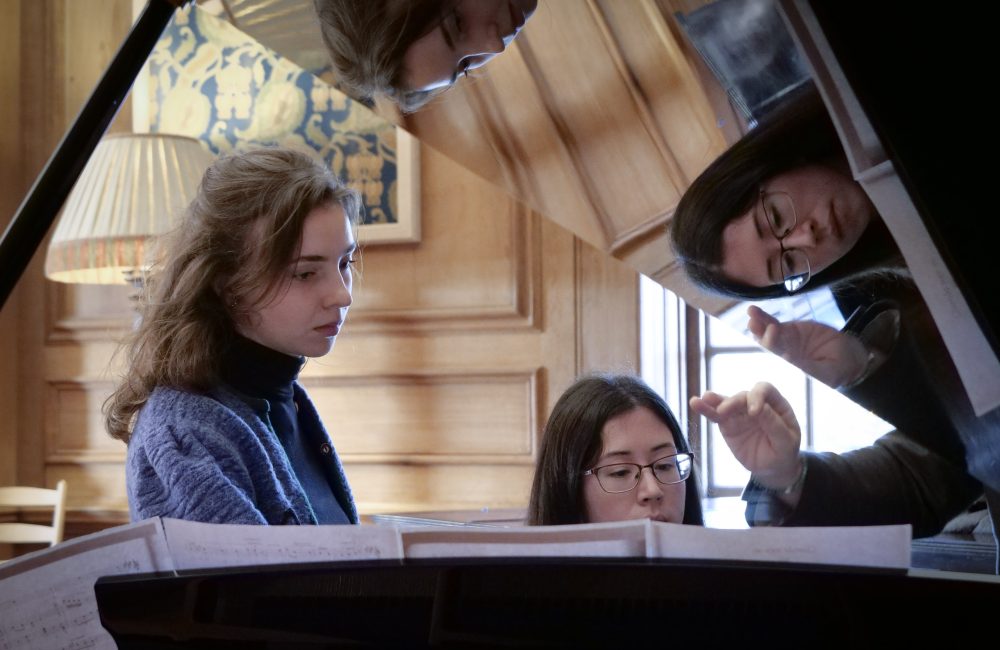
column 623, row 477
column 780, row 213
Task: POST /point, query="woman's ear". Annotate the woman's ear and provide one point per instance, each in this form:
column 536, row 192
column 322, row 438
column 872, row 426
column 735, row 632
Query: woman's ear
column 220, row 286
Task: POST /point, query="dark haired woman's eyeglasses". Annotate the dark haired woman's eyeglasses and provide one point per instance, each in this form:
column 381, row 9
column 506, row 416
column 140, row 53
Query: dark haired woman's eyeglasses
column 623, row 477
column 780, row 213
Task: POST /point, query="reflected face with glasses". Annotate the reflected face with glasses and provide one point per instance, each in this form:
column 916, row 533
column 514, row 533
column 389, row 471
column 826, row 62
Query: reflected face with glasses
column 804, row 221
column 469, row 35
column 639, row 474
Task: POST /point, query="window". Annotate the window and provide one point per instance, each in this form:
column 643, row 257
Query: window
column 686, row 352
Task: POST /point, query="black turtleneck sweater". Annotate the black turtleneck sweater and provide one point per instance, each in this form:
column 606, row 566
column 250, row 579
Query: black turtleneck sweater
column 261, row 373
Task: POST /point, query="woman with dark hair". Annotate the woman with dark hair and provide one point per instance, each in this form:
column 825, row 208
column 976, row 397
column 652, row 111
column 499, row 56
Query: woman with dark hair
column 779, row 210
column 413, row 50
column 602, row 435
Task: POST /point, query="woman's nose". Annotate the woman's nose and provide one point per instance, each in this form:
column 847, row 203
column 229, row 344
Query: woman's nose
column 803, row 235
column 339, row 293
column 486, row 43
column 649, row 488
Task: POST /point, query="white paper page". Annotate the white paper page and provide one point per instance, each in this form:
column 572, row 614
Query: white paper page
column 47, row 597
column 862, row 546
column 197, row 545
column 616, row 539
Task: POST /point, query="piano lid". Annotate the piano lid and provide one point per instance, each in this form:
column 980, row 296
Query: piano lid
column 600, row 115
column 910, row 191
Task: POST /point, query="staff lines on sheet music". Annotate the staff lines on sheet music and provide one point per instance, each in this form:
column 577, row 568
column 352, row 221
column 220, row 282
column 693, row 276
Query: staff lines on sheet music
column 53, row 605
column 296, row 551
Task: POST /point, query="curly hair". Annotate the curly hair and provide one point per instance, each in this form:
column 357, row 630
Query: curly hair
column 236, row 239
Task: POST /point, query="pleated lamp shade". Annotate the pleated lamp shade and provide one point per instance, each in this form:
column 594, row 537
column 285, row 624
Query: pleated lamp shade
column 135, row 186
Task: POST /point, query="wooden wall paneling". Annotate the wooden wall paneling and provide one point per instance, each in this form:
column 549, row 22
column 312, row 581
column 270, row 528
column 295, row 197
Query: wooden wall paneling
column 12, row 186
column 607, row 312
column 414, row 488
column 455, row 351
column 97, row 494
column 74, row 425
column 434, row 417
column 455, row 381
column 69, row 332
column 76, row 313
column 42, row 123
column 474, row 268
column 94, row 31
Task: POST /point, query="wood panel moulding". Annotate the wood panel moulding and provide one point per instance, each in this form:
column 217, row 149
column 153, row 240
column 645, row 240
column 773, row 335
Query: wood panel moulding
column 501, row 278
column 427, row 416
column 408, row 488
column 12, row 186
column 74, row 425
column 77, row 313
column 91, row 487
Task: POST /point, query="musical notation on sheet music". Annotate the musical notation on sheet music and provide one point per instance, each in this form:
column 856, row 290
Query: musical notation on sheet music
column 47, row 597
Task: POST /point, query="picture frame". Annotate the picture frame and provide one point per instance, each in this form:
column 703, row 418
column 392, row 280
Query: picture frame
column 406, row 228
column 320, row 109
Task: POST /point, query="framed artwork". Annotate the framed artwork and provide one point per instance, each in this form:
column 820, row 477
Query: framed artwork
column 208, row 80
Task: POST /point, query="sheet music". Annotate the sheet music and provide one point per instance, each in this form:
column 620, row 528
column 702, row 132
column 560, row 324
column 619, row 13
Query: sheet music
column 47, row 597
column 860, row 546
column 615, row 539
column 196, row 545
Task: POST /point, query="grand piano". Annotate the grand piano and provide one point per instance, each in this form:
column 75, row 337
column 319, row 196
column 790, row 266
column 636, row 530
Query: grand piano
column 561, row 145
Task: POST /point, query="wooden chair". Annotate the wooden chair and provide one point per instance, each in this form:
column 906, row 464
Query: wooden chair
column 33, row 497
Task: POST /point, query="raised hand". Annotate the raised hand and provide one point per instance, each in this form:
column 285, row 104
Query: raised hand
column 760, row 429
column 833, row 357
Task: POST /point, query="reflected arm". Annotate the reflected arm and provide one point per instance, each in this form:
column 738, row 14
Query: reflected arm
column 895, row 481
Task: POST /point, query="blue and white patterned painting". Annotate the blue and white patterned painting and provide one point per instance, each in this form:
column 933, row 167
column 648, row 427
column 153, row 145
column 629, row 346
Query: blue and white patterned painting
column 210, row 81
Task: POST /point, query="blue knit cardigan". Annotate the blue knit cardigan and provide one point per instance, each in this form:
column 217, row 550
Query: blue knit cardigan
column 215, row 458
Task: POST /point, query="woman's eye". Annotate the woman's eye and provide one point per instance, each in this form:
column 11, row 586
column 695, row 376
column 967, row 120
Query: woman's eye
column 619, row 473
column 304, row 275
column 777, row 220
column 346, row 263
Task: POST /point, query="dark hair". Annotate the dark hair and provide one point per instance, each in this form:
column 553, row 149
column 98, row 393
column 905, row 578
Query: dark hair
column 367, row 40
column 571, row 443
column 797, row 132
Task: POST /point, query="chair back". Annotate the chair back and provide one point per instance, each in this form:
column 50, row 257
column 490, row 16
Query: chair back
column 18, row 497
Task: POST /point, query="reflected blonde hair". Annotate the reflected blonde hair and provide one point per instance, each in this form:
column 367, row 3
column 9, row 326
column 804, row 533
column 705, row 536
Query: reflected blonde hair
column 367, row 39
column 232, row 248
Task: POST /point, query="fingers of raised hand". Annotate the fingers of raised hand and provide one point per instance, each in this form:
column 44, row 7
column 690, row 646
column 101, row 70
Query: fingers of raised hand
column 706, row 405
column 764, row 393
column 759, row 321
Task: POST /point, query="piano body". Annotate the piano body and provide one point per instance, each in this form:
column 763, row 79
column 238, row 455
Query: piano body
column 561, row 149
column 535, row 602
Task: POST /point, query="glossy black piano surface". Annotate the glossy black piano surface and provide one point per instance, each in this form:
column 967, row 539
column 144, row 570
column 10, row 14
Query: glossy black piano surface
column 535, row 603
